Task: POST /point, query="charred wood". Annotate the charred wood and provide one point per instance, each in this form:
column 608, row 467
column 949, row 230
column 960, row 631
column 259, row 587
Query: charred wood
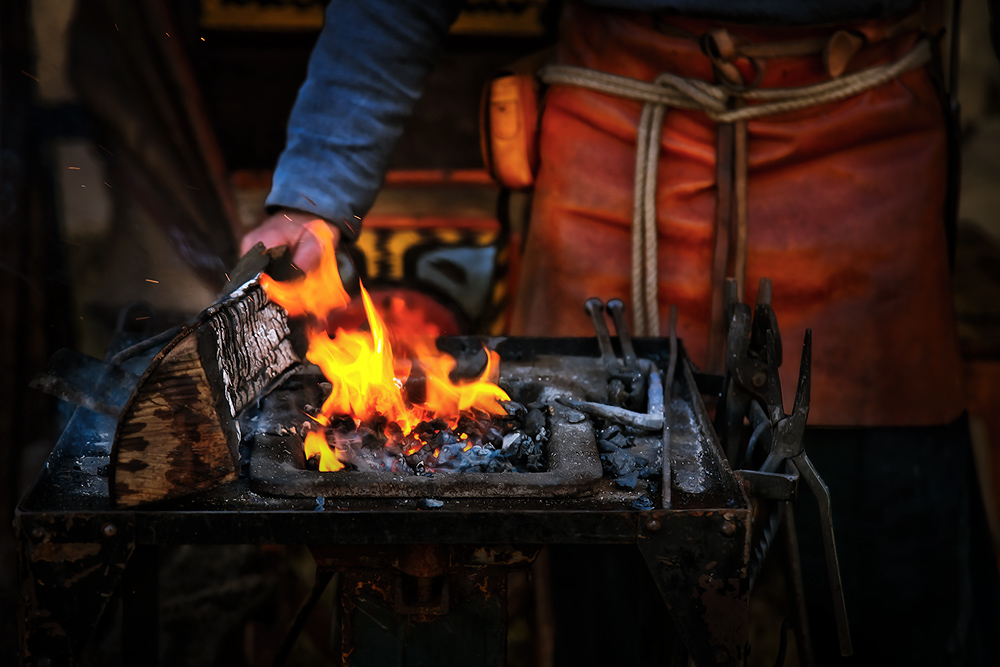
column 179, row 432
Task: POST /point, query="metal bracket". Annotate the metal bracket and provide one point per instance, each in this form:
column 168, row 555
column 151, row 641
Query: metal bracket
column 68, row 567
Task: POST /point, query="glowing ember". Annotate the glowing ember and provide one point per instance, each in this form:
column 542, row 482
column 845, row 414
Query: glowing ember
column 368, row 380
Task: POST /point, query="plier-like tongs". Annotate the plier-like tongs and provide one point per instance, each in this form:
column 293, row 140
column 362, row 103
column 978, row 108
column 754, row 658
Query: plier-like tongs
column 752, row 360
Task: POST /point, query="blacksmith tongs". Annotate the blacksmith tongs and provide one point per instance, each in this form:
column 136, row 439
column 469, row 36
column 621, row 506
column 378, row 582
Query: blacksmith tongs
column 754, row 371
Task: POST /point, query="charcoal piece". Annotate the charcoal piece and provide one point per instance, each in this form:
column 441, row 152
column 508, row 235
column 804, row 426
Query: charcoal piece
column 498, row 464
column 511, row 444
column 493, row 437
column 575, row 417
column 534, row 421
column 449, row 456
column 640, row 461
column 535, row 463
column 344, row 424
column 609, row 431
column 372, row 439
column 621, row 462
column 419, row 468
column 654, row 486
column 312, row 463
column 320, row 504
column 606, row 447
column 619, row 440
column 650, row 472
column 429, row 504
column 443, row 438
column 415, row 387
column 642, row 503
column 513, row 408
column 478, row 456
column 628, row 481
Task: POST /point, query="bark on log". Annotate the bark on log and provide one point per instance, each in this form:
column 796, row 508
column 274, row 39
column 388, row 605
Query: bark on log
column 179, row 432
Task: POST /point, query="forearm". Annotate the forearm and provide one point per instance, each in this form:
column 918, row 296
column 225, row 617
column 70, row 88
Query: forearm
column 365, row 74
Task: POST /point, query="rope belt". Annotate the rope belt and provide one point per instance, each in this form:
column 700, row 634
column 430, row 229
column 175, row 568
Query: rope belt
column 731, row 108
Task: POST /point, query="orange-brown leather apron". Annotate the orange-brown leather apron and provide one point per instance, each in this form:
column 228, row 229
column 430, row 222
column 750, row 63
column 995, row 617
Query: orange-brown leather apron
column 846, row 205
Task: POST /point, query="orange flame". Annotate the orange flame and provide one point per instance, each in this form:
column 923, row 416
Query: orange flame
column 366, row 377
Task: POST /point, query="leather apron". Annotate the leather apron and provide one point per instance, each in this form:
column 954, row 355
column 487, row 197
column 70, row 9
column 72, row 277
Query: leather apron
column 845, row 214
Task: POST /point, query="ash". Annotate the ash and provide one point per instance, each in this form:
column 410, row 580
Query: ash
column 513, row 442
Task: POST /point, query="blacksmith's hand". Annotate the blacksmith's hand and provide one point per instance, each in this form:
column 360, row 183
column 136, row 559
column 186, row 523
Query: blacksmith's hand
column 288, row 227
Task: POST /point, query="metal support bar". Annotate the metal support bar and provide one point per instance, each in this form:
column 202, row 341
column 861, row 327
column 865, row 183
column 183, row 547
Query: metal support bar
column 141, row 607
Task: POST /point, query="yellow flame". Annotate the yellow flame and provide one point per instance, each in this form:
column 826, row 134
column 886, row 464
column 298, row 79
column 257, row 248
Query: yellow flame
column 366, row 378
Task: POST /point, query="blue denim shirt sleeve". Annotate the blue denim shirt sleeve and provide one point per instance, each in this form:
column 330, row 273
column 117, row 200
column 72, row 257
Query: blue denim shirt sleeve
column 365, row 74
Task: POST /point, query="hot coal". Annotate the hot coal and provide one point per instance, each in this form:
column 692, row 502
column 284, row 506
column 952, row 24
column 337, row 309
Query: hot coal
column 512, row 442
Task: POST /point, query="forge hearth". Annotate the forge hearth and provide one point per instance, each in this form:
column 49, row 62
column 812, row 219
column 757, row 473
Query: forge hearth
column 694, row 536
column 571, row 460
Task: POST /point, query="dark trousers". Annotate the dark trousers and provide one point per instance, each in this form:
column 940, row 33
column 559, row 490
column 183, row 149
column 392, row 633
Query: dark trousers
column 920, row 578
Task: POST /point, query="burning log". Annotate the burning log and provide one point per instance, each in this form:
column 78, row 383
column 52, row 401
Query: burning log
column 178, row 433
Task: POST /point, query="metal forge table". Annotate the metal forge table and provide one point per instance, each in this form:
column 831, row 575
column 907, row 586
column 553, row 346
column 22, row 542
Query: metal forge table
column 76, row 549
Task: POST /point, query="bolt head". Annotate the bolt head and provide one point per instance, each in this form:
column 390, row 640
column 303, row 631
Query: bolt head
column 759, row 379
column 109, row 530
column 39, row 533
column 728, row 528
column 653, row 524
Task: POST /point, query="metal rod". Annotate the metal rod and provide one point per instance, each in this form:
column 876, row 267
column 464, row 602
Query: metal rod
column 822, row 494
column 323, row 578
column 621, row 416
column 796, row 590
column 141, row 606
column 654, row 392
column 666, row 482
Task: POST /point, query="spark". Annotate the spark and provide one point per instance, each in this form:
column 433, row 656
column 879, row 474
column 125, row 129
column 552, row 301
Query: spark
column 203, row 39
column 307, row 199
column 150, row 280
column 29, row 76
column 105, row 149
column 144, row 317
column 286, row 217
column 108, row 184
column 74, row 167
column 226, row 275
column 167, row 34
column 83, row 186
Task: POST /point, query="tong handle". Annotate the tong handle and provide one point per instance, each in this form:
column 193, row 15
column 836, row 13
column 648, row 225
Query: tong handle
column 595, row 308
column 807, row 470
column 617, row 309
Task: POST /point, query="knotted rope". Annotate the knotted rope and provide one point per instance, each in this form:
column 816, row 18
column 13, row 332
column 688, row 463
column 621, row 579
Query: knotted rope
column 721, row 104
